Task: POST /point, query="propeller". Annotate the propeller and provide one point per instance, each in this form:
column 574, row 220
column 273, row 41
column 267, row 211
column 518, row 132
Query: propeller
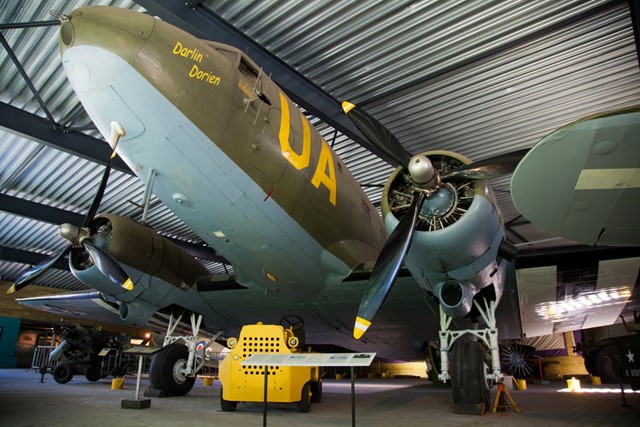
column 387, row 266
column 81, row 237
column 426, row 181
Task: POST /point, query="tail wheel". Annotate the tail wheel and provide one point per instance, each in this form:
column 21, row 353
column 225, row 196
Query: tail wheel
column 166, row 371
column 469, row 374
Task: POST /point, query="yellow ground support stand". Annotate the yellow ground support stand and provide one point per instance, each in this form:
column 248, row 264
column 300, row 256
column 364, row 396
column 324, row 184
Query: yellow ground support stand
column 504, row 403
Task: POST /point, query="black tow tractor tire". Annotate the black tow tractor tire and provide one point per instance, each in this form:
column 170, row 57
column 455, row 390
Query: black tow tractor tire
column 316, row 391
column 63, row 373
column 227, row 405
column 468, row 380
column 164, row 372
column 305, row 401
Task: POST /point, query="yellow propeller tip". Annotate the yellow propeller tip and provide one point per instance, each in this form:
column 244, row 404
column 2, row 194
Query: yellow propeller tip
column 360, row 327
column 128, row 285
column 347, row 106
column 12, row 289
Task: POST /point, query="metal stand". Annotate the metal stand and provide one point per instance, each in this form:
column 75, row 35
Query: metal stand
column 624, row 398
column 266, row 386
column 510, row 404
column 353, row 398
column 136, row 402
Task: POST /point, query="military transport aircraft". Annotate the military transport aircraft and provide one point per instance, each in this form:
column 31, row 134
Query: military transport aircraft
column 221, row 145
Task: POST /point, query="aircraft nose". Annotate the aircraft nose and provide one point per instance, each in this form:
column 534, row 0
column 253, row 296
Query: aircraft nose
column 117, row 30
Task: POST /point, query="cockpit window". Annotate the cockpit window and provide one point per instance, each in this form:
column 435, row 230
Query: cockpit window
column 247, row 70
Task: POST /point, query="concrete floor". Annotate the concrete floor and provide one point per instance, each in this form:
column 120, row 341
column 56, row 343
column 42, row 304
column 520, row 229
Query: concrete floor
column 25, row 402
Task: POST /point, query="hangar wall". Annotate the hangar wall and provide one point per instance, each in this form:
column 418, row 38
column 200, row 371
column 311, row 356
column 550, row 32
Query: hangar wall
column 9, row 330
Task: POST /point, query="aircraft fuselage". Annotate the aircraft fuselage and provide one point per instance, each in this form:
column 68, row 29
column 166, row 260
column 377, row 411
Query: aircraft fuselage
column 234, row 157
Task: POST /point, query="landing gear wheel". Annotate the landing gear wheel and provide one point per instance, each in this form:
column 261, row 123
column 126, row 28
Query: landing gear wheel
column 63, row 373
column 468, row 381
column 166, row 371
column 93, row 373
column 305, row 402
column 226, row 405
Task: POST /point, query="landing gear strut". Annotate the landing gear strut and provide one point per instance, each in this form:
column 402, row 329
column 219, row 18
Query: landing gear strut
column 470, row 378
column 173, row 370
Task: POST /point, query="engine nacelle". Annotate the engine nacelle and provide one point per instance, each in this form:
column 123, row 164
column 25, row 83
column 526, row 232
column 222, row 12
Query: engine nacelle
column 143, row 249
column 136, row 312
column 456, row 298
column 455, row 246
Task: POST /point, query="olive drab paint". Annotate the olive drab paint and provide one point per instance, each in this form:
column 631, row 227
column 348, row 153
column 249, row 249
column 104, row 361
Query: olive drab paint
column 325, row 173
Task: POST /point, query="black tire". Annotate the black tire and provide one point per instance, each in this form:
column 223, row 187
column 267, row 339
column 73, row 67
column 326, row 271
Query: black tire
column 93, row 373
column 316, row 391
column 226, row 405
column 164, row 371
column 63, row 373
column 606, row 363
column 305, row 402
column 468, row 377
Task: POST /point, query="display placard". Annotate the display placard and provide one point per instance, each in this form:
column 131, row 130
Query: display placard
column 310, row 359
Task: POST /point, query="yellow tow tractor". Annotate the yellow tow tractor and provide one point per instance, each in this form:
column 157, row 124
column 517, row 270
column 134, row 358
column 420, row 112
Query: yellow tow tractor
column 286, row 384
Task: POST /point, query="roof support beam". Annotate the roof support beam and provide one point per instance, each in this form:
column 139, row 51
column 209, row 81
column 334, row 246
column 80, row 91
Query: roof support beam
column 635, row 22
column 38, row 129
column 29, row 258
column 26, row 78
column 203, row 23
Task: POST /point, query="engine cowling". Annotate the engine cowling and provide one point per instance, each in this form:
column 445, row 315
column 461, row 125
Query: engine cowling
column 454, row 250
column 141, row 248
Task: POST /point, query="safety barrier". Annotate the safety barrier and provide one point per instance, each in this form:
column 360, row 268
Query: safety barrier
column 41, row 357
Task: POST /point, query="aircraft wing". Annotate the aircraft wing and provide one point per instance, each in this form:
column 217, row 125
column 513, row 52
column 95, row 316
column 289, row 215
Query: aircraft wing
column 567, row 289
column 548, row 291
column 90, row 305
column 590, row 188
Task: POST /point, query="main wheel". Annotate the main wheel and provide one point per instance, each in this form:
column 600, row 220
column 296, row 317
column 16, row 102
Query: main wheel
column 166, row 371
column 305, row 402
column 468, row 380
column 63, row 373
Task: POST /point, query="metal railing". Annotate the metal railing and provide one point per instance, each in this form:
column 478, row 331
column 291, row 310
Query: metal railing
column 41, row 358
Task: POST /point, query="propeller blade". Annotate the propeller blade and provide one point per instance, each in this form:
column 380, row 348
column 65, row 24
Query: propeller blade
column 387, row 267
column 377, row 134
column 37, row 270
column 108, row 265
column 116, row 133
column 488, row 168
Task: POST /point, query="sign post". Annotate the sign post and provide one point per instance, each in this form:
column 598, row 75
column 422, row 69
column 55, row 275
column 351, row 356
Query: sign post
column 350, row 360
column 137, row 403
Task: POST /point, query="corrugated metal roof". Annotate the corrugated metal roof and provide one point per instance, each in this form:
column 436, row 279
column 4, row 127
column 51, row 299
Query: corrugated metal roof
column 409, row 64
